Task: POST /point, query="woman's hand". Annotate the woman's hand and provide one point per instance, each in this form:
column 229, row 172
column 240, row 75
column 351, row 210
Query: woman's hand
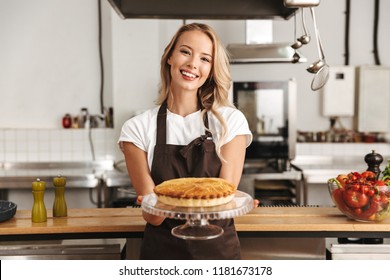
column 255, row 203
column 139, row 199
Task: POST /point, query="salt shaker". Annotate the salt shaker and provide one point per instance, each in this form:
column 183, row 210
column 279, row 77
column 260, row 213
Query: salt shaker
column 38, row 213
column 59, row 207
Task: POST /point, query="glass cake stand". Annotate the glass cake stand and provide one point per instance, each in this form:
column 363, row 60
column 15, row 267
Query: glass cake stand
column 197, row 226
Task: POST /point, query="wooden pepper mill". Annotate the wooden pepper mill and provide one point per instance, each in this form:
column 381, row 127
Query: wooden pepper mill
column 374, row 161
column 38, row 212
column 59, row 206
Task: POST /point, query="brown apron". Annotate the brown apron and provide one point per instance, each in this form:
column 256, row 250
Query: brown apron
column 197, row 159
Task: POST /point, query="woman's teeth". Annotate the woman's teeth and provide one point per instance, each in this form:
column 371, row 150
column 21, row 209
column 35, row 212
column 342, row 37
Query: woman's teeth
column 188, row 74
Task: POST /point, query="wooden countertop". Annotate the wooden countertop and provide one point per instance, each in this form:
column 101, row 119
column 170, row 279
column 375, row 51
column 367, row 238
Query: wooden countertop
column 128, row 222
column 86, row 220
column 304, row 219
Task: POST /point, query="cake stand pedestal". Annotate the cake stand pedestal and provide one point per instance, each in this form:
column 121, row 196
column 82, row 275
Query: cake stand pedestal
column 197, row 226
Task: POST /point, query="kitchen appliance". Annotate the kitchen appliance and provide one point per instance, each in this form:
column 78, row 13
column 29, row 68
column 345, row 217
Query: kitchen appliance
column 202, row 9
column 77, row 249
column 338, row 95
column 360, row 251
column 301, row 3
column 270, row 108
column 373, row 97
column 225, row 10
column 260, row 49
column 263, row 53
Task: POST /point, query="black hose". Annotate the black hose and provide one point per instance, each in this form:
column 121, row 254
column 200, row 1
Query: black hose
column 376, row 22
column 347, row 27
column 101, row 59
column 91, row 142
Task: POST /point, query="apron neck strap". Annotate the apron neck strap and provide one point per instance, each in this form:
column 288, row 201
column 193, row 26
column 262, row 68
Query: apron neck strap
column 206, row 124
column 162, row 124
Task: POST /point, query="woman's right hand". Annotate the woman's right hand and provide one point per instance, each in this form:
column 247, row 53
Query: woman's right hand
column 152, row 219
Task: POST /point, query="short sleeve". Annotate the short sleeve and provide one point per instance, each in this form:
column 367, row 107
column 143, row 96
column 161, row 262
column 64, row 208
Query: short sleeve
column 236, row 123
column 136, row 130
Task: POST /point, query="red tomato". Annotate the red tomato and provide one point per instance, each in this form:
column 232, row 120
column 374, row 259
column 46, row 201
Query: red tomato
column 380, row 183
column 368, row 175
column 352, row 177
column 364, row 189
column 354, row 186
column 337, row 195
column 372, row 209
column 342, row 178
column 371, row 192
column 355, row 199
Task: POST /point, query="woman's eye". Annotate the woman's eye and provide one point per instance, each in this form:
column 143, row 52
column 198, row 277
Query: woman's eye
column 206, row 59
column 185, row 51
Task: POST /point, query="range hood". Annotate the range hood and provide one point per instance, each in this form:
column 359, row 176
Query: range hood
column 202, row 9
column 219, row 9
column 263, row 53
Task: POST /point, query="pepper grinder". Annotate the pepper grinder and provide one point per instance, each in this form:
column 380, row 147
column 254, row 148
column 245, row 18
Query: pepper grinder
column 38, row 213
column 59, row 206
column 374, row 161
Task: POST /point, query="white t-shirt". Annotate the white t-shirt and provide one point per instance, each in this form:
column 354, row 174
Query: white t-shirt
column 141, row 130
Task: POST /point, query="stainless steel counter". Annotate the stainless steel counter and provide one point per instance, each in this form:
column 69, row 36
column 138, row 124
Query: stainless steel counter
column 91, row 175
column 78, row 174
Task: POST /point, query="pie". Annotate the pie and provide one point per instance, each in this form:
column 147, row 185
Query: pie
column 195, row 192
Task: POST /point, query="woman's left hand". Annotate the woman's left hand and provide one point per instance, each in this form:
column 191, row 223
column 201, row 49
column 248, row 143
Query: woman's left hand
column 139, row 199
column 255, row 203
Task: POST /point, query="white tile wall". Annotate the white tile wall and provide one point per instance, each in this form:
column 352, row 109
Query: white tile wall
column 341, row 149
column 55, row 145
column 42, row 145
column 32, row 145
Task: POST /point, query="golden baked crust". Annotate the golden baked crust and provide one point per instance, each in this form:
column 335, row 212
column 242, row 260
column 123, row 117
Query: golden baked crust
column 190, row 192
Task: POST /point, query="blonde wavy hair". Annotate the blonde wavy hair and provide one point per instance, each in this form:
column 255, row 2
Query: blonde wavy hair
column 214, row 92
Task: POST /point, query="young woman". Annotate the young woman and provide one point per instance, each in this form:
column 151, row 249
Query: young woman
column 194, row 132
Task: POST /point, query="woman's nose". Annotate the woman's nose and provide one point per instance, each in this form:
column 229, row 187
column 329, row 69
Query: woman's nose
column 192, row 64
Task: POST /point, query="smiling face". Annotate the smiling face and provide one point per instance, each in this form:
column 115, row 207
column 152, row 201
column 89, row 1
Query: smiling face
column 191, row 62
